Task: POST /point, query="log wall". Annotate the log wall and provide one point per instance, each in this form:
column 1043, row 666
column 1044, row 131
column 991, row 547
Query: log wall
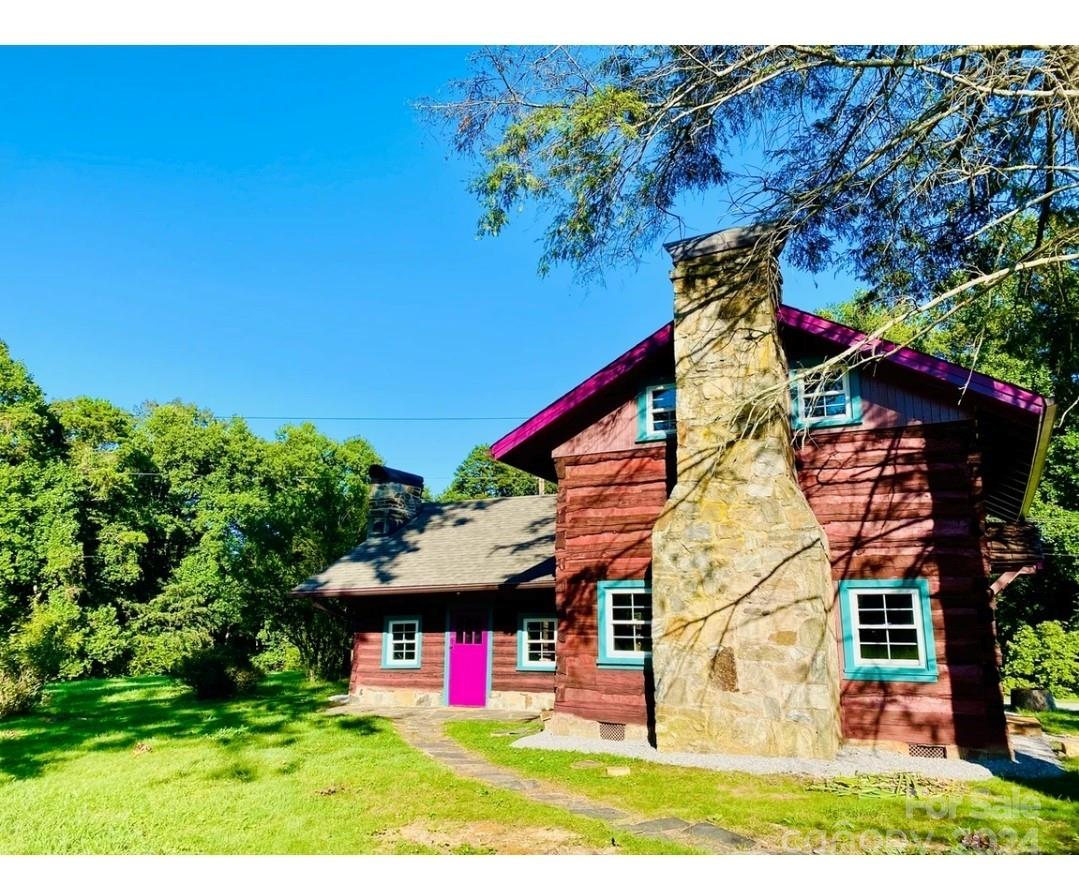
column 607, row 504
column 906, row 503
column 894, row 503
column 368, row 618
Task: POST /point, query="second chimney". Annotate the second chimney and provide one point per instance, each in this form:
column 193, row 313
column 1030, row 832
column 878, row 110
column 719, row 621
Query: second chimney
column 396, row 498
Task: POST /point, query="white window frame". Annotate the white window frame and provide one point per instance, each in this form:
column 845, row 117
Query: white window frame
column 647, row 417
column 803, row 402
column 608, row 656
column 387, row 642
column 857, row 627
column 524, row 645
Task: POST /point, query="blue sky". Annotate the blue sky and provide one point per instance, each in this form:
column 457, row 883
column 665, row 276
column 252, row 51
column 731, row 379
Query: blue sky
column 274, row 232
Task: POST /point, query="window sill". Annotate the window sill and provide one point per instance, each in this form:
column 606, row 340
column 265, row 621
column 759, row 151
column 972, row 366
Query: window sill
column 549, row 667
column 413, row 666
column 879, row 673
column 629, row 664
column 836, row 422
column 654, row 437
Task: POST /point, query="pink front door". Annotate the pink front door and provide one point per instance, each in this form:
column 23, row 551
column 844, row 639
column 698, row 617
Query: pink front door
column 468, row 658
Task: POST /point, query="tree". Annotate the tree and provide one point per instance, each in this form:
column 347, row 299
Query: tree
column 890, row 160
column 129, row 541
column 1025, row 332
column 39, row 550
column 479, row 476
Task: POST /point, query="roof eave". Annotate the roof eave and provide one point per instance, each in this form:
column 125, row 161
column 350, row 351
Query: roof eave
column 970, row 381
column 382, row 590
column 1041, row 452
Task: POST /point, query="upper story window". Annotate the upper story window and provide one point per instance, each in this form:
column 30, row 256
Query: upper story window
column 832, row 398
column 625, row 622
column 537, row 637
column 887, row 630
column 402, row 642
column 655, row 412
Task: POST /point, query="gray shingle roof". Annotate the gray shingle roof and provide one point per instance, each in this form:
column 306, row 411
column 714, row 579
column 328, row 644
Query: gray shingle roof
column 482, row 542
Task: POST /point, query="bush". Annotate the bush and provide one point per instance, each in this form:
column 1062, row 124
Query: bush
column 60, row 639
column 20, row 690
column 277, row 653
column 1046, row 656
column 217, row 673
column 163, row 652
column 49, row 641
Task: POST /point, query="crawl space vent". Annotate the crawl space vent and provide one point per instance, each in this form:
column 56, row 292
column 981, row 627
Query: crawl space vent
column 926, row 751
column 612, row 732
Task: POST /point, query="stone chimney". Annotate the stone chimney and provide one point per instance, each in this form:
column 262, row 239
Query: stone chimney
column 743, row 639
column 396, row 498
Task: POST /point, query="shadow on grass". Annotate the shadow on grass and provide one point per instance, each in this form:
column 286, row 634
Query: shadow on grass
column 1064, row 787
column 102, row 715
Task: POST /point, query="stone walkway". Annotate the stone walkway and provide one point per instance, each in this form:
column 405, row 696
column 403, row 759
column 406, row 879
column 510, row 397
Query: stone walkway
column 423, row 728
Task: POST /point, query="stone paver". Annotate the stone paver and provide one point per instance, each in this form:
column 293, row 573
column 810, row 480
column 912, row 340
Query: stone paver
column 423, row 728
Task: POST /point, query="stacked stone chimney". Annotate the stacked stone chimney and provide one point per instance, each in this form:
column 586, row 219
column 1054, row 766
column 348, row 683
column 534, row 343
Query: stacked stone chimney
column 396, row 498
column 744, row 647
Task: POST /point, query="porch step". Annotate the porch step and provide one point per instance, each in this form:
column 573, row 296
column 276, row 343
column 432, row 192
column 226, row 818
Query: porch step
column 1021, row 725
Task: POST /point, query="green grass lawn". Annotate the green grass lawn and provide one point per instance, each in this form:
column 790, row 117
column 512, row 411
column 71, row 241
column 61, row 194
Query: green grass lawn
column 786, row 813
column 1062, row 722
column 140, row 766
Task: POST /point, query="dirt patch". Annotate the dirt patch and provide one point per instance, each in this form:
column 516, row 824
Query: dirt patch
column 486, row 836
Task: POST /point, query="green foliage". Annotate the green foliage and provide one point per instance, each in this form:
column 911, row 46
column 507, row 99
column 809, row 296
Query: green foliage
column 873, row 157
column 479, row 476
column 1044, row 655
column 50, row 640
column 217, row 673
column 137, row 765
column 20, row 690
column 900, row 813
column 277, row 653
column 1025, row 332
column 39, row 548
column 60, row 639
column 129, row 541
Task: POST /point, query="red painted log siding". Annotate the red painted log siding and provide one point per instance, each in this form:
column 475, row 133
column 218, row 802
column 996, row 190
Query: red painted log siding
column 893, row 502
column 369, row 617
column 607, row 504
column 507, row 612
column 905, row 503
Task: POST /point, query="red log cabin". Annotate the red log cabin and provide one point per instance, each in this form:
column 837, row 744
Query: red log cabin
column 919, row 472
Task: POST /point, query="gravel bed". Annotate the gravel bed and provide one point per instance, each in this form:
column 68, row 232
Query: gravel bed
column 850, row 761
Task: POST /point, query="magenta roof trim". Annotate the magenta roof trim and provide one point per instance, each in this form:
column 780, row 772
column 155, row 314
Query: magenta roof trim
column 610, row 373
column 837, row 333
column 946, row 371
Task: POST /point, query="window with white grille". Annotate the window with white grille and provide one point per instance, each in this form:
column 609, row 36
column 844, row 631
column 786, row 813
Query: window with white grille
column 625, row 621
column 402, row 642
column 537, row 639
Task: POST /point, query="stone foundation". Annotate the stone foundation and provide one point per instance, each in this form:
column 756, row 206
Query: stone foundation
column 951, row 752
column 520, row 700
column 562, row 724
column 744, row 648
column 396, row 697
column 499, row 700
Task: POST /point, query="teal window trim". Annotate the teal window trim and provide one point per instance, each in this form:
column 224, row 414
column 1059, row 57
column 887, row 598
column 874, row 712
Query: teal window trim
column 925, row 673
column 446, row 659
column 522, row 642
column 490, row 653
column 387, row 641
column 853, row 382
column 607, row 658
column 645, row 433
